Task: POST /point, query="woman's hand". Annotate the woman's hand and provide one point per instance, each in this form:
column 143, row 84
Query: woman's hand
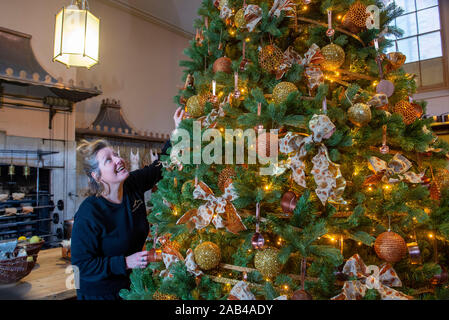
column 137, row 260
column 177, row 117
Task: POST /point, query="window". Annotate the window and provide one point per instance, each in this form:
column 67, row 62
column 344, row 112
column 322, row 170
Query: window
column 421, row 41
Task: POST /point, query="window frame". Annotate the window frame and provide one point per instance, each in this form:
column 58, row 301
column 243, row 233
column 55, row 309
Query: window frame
column 441, row 10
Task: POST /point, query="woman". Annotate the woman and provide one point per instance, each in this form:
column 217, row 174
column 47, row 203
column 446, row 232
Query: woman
column 110, row 227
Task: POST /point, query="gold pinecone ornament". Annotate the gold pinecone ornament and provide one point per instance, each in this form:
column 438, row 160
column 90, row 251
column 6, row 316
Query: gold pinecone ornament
column 207, row 255
column 282, row 90
column 355, row 19
column 225, row 177
column 195, row 106
column 359, row 114
column 406, row 110
column 239, row 18
column 390, row 246
column 334, row 57
column 267, row 263
column 270, row 58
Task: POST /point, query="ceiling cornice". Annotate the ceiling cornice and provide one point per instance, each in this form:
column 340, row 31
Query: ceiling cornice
column 148, row 17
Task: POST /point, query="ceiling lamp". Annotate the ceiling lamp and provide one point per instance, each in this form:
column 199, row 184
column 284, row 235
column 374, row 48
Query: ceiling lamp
column 77, row 36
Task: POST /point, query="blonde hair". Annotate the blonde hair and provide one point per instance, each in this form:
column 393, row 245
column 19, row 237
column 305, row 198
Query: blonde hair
column 88, row 150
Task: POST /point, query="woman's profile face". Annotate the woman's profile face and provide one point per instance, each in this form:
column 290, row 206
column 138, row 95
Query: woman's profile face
column 112, row 167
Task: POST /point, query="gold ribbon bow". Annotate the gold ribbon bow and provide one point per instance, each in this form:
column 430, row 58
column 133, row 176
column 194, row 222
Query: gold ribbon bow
column 398, row 166
column 327, row 175
column 170, row 256
column 381, row 280
column 218, row 210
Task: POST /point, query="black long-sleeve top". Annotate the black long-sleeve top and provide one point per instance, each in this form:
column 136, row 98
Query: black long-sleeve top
column 104, row 233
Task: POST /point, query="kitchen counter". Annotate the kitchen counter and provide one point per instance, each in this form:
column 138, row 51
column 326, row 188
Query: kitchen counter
column 47, row 280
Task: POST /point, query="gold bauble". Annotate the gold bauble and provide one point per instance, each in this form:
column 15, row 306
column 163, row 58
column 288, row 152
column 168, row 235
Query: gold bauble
column 442, row 177
column 195, row 106
column 267, row 263
column 359, row 114
column 222, row 64
column 164, row 296
column 334, row 57
column 406, row 110
column 390, row 246
column 225, row 177
column 270, row 58
column 282, row 90
column 207, row 255
column 239, row 19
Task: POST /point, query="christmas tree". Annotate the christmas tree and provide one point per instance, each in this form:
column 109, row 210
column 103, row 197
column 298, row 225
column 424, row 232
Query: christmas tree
column 359, row 180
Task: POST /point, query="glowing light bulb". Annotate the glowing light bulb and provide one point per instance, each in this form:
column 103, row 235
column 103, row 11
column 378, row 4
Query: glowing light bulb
column 339, row 17
column 248, row 39
column 430, row 235
column 305, row 8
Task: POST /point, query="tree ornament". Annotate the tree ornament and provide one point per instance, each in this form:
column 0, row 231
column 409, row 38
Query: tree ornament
column 239, row 18
column 225, row 177
column 164, row 296
column 207, row 255
column 267, row 143
column 282, row 90
column 406, row 110
column 355, row 19
column 442, row 177
column 222, row 64
column 301, row 295
column 390, row 246
column 257, row 239
column 359, row 114
column 267, row 263
column 435, row 192
column 288, row 202
column 414, row 252
column 334, row 57
column 440, row 278
column 270, row 58
column 195, row 105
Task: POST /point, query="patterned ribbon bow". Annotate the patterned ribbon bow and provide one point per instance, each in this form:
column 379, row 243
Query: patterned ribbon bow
column 218, row 210
column 291, row 57
column 327, row 175
column 399, row 166
column 253, row 15
column 170, row 256
column 281, row 5
column 210, row 119
column 381, row 280
column 225, row 11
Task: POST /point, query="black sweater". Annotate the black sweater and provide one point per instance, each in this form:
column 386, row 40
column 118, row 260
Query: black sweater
column 104, row 233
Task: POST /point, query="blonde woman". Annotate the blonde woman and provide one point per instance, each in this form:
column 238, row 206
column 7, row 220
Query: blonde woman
column 110, row 226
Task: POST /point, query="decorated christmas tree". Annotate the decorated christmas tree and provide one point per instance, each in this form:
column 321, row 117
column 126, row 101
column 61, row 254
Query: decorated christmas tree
column 353, row 202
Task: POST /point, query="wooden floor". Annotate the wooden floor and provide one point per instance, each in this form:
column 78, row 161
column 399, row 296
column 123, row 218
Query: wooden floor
column 47, row 281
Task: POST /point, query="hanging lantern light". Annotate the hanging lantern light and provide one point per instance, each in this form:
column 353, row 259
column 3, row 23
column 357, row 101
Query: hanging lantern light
column 11, row 169
column 77, row 36
column 26, row 169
